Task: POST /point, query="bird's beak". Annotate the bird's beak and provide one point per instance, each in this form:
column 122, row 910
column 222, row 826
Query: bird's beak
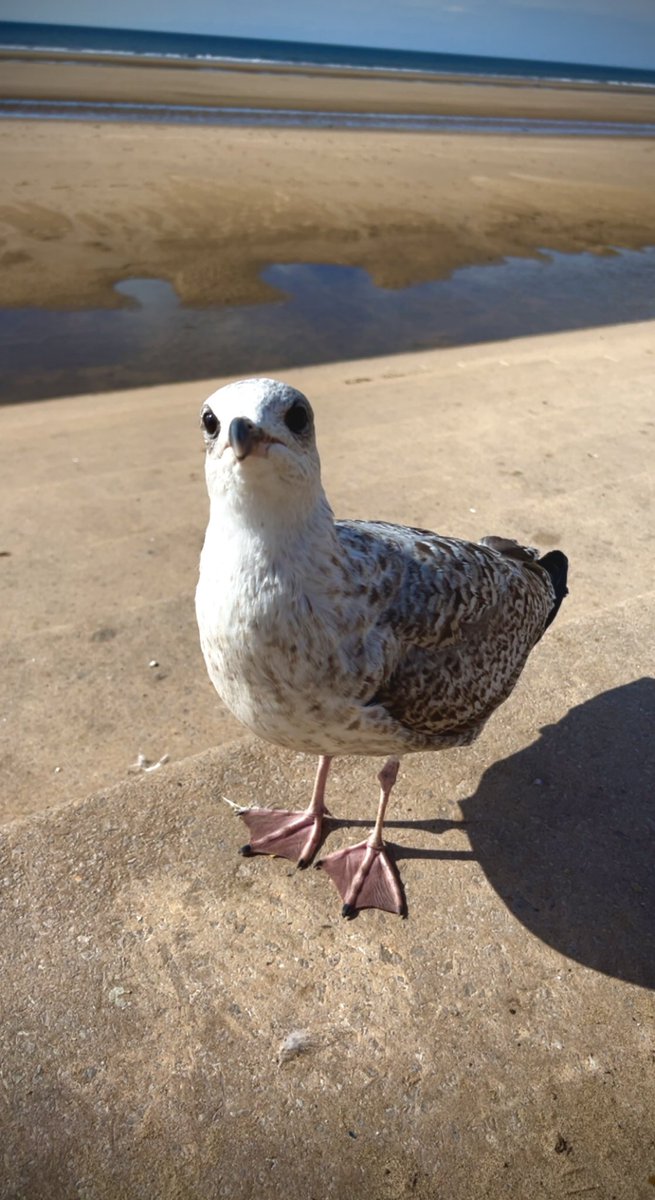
column 243, row 436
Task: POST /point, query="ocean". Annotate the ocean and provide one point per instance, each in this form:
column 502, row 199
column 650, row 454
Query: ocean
column 199, row 47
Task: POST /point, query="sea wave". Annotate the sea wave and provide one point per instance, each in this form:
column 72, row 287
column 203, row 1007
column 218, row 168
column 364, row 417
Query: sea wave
column 536, row 77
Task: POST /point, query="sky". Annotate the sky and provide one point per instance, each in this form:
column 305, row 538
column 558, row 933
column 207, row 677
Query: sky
column 611, row 32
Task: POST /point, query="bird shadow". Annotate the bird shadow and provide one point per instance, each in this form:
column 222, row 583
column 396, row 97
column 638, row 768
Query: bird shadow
column 564, row 830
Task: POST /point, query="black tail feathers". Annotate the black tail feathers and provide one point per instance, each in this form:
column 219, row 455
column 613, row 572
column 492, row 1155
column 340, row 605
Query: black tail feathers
column 557, row 565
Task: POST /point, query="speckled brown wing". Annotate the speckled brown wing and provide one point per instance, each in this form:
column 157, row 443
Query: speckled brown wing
column 463, row 616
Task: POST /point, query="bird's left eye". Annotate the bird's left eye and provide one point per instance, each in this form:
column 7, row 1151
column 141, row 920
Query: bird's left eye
column 211, row 422
column 296, row 418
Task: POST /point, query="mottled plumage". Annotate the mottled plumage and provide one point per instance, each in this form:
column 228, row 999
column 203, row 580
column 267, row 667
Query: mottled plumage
column 355, row 637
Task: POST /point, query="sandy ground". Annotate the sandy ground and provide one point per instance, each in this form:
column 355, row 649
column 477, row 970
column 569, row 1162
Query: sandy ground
column 497, row 1043
column 83, row 206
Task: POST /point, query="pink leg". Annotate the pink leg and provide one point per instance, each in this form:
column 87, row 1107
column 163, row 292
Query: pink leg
column 364, row 875
column 289, row 834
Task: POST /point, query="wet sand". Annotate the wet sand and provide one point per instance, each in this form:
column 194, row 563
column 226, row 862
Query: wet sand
column 85, row 205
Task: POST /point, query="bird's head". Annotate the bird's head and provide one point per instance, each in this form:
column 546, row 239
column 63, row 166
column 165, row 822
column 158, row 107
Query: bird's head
column 261, row 448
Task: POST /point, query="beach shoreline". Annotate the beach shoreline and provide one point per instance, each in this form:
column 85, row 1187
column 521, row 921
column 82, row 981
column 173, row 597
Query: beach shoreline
column 89, row 78
column 152, row 60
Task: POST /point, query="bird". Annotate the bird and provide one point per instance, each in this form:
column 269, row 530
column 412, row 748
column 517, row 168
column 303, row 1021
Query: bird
column 333, row 637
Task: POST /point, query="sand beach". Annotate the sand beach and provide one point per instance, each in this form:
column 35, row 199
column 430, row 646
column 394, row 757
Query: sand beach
column 85, row 204
column 497, row 1043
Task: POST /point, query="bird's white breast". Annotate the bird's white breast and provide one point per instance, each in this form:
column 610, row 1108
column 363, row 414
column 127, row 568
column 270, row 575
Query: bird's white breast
column 273, row 630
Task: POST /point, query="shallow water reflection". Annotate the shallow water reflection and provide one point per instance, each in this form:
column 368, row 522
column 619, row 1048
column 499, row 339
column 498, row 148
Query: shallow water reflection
column 325, row 313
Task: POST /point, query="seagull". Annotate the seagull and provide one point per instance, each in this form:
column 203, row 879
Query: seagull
column 334, row 637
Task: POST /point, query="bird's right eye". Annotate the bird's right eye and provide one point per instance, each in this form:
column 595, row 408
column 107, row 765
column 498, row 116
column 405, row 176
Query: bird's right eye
column 210, row 422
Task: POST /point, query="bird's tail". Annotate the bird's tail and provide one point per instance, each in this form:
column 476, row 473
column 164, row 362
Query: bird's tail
column 557, row 565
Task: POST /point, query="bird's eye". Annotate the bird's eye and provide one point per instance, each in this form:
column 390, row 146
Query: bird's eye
column 296, row 418
column 211, row 422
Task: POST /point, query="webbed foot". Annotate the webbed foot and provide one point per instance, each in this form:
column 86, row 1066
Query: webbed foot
column 365, row 877
column 294, row 835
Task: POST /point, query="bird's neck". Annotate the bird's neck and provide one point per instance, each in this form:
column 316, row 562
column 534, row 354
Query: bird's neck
column 275, row 530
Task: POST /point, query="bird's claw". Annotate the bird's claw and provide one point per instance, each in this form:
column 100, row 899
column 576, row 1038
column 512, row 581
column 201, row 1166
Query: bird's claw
column 237, row 809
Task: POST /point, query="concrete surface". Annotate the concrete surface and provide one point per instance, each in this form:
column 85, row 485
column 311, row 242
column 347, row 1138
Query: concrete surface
column 497, row 1043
